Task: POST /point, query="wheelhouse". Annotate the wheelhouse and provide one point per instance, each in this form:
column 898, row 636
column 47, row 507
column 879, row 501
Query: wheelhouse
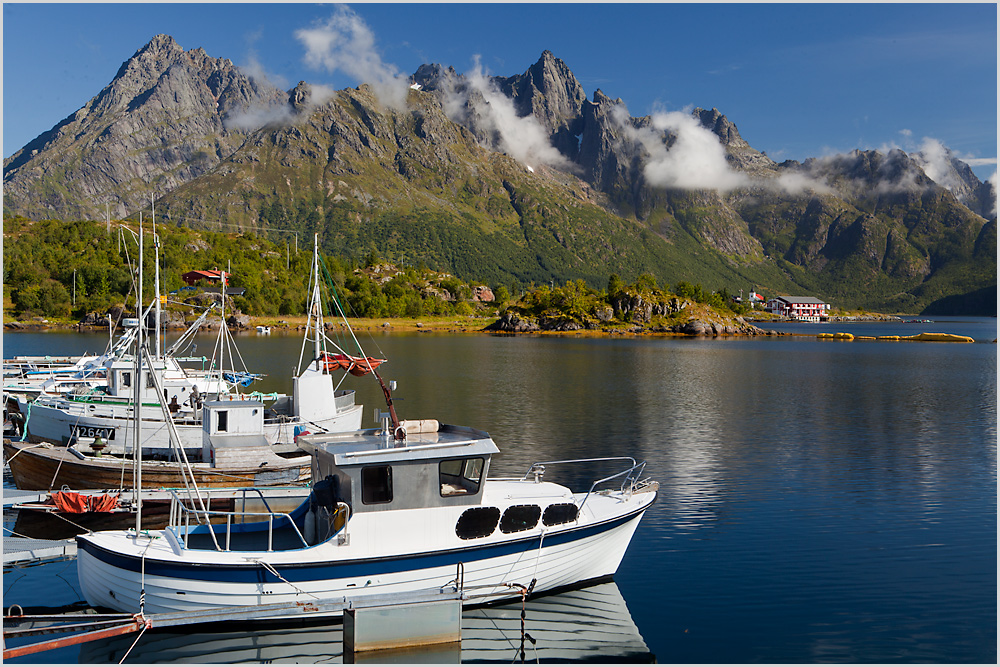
column 433, row 466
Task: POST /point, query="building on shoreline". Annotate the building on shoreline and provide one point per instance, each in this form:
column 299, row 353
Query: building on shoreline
column 803, row 308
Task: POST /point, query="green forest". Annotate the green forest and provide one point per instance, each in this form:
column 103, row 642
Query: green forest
column 67, row 270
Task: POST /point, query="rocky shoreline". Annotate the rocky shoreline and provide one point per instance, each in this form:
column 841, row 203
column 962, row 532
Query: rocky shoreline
column 509, row 322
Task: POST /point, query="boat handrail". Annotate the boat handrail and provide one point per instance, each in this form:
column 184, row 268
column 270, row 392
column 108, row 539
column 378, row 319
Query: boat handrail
column 629, row 483
column 182, row 514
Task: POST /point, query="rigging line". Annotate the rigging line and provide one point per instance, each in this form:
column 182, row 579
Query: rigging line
column 172, row 218
column 334, row 296
column 175, row 441
column 351, row 330
column 59, row 515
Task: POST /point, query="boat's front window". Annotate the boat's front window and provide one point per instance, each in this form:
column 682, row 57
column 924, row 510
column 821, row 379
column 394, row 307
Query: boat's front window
column 376, row 485
column 460, row 477
column 520, row 517
column 560, row 513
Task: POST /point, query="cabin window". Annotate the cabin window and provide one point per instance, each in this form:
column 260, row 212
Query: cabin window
column 376, row 485
column 559, row 513
column 223, row 424
column 126, row 379
column 520, row 517
column 459, row 477
column 477, row 522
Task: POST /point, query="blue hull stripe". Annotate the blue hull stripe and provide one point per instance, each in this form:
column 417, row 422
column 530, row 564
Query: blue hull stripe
column 293, row 572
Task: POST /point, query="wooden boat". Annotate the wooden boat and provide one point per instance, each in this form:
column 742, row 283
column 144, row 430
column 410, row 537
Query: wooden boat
column 44, row 466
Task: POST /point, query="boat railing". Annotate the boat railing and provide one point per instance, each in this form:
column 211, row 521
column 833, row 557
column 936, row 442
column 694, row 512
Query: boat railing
column 182, row 517
column 630, row 476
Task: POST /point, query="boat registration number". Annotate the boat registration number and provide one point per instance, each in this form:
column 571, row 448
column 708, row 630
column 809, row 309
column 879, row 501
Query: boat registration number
column 106, row 433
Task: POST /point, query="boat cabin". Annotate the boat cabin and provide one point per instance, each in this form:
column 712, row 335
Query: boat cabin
column 435, row 465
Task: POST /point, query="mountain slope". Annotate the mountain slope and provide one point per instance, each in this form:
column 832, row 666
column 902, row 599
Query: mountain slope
column 158, row 124
column 510, row 179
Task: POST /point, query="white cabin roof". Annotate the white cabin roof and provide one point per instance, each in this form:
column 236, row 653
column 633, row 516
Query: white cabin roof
column 374, row 446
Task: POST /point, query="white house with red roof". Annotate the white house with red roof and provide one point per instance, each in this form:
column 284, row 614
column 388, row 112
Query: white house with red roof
column 803, row 308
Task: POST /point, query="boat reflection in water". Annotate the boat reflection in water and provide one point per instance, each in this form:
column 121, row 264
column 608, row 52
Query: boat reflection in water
column 591, row 624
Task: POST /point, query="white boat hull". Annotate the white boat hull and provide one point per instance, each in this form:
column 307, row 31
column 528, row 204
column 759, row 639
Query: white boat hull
column 115, row 568
column 61, row 425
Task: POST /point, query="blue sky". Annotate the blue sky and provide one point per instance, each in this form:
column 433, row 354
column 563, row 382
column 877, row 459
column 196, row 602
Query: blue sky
column 799, row 80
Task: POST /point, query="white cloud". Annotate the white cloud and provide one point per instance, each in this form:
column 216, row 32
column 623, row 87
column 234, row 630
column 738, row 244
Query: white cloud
column 993, row 179
column 935, row 159
column 345, row 43
column 521, row 137
column 796, row 183
column 255, row 71
column 695, row 161
column 258, row 117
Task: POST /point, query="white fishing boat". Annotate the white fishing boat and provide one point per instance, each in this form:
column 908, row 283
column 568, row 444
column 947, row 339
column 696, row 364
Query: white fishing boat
column 102, row 415
column 405, row 508
column 96, row 421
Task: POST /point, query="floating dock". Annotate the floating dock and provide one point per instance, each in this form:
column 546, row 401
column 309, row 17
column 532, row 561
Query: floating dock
column 419, row 618
column 29, row 551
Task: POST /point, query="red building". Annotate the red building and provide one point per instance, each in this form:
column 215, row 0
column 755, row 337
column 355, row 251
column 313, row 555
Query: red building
column 806, row 308
column 191, row 277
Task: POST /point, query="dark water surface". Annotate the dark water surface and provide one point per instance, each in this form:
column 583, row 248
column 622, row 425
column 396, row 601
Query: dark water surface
column 820, row 501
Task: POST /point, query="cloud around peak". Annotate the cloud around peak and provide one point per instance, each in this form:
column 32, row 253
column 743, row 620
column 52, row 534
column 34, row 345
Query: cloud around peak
column 345, row 43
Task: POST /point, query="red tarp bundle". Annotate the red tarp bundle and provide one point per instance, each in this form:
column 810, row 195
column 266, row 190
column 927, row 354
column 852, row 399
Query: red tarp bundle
column 78, row 503
column 356, row 366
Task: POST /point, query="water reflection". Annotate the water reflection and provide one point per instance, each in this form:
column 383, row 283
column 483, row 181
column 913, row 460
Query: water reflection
column 587, row 625
column 819, row 501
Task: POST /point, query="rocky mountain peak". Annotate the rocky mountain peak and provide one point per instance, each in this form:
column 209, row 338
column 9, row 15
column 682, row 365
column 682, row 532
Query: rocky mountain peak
column 548, row 90
column 722, row 127
column 157, row 124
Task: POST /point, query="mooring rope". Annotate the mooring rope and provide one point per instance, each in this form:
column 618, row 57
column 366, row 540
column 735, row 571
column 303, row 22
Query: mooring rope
column 145, row 625
column 270, row 568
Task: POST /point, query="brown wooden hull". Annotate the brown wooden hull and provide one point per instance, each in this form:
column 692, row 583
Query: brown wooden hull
column 44, row 467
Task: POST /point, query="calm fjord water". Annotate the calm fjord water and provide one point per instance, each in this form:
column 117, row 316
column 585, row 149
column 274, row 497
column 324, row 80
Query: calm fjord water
column 819, row 500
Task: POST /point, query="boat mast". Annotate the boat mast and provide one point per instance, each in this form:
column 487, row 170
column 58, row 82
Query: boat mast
column 137, row 401
column 317, row 304
column 156, row 246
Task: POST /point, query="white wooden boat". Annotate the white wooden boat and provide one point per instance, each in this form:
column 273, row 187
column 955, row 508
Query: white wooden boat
column 400, row 509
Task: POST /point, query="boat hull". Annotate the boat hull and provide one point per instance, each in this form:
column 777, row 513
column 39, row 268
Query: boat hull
column 499, row 568
column 41, row 467
column 61, row 426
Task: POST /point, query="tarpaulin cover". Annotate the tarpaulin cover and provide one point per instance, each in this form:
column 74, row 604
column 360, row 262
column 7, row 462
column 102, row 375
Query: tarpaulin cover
column 78, row 503
column 356, row 366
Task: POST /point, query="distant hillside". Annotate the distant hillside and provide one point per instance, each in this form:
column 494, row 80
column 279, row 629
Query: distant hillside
column 510, row 181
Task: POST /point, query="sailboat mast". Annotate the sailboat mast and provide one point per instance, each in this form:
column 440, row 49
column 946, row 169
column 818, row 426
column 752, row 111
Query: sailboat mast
column 316, row 304
column 156, row 246
column 137, row 401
